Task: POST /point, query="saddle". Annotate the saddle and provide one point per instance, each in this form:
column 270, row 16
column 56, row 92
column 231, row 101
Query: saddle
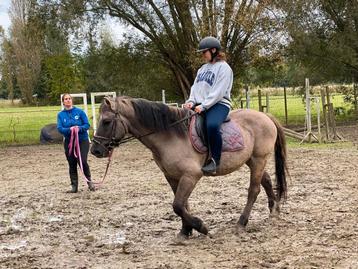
column 231, row 135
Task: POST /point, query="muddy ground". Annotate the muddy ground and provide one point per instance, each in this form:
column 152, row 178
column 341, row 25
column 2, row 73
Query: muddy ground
column 129, row 222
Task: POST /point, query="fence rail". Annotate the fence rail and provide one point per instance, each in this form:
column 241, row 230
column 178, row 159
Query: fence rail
column 22, row 125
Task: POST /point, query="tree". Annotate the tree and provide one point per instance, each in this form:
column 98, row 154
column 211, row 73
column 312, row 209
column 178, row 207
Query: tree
column 128, row 69
column 7, row 65
column 323, row 37
column 175, row 27
column 62, row 75
column 26, row 44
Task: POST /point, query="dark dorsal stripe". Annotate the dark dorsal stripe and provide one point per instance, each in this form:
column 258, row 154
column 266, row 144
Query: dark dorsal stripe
column 158, row 117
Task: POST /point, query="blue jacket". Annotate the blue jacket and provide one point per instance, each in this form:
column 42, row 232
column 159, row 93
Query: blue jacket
column 73, row 117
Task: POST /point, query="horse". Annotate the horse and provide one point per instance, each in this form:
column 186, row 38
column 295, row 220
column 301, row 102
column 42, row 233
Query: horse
column 49, row 134
column 164, row 130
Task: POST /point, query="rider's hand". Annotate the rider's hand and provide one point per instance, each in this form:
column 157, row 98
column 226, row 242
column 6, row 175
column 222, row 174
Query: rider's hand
column 188, row 105
column 74, row 127
column 198, row 109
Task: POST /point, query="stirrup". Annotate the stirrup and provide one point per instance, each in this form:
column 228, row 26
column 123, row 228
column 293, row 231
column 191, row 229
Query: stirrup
column 210, row 168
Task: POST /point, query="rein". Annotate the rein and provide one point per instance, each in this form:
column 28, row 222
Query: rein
column 127, row 139
column 114, row 142
column 75, row 146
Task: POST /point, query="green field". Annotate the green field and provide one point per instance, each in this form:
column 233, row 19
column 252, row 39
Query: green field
column 22, row 125
column 296, row 109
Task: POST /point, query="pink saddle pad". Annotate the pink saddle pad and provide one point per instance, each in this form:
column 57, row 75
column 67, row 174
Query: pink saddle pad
column 231, row 135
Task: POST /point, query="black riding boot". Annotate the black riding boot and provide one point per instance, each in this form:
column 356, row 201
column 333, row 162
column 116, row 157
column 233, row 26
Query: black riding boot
column 210, row 167
column 91, row 186
column 74, row 185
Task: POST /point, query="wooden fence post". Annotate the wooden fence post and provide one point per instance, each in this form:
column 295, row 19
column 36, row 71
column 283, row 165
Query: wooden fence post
column 318, row 119
column 163, row 96
column 260, row 100
column 308, row 110
column 285, row 100
column 324, row 109
column 309, row 134
column 247, row 93
column 333, row 121
column 330, row 114
column 355, row 92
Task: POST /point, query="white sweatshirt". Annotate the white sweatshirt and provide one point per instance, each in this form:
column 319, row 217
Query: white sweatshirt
column 213, row 84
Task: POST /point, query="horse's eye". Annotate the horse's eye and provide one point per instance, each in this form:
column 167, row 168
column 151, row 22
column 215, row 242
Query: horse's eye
column 106, row 122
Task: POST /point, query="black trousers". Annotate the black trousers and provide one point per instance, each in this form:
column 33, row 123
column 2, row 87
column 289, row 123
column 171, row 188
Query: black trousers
column 73, row 161
column 214, row 118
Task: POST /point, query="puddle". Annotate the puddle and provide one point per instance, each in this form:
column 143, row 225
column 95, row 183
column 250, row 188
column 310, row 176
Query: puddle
column 15, row 246
column 58, row 218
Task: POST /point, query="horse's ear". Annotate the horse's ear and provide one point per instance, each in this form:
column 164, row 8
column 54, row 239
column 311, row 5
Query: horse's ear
column 111, row 103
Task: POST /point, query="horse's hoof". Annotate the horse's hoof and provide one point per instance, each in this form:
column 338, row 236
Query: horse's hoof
column 243, row 221
column 199, row 225
column 187, row 231
column 274, row 214
column 240, row 229
column 203, row 229
column 180, row 240
column 182, row 236
column 275, row 210
column 211, row 236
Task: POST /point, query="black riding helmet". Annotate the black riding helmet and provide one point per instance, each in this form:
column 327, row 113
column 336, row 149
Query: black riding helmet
column 210, row 42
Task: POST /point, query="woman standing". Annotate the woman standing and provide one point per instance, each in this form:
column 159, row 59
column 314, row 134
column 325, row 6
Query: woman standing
column 69, row 118
column 210, row 93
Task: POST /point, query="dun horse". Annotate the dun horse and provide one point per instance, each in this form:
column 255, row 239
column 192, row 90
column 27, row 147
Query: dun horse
column 162, row 130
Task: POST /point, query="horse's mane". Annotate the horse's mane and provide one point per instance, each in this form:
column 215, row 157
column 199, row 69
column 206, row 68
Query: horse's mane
column 159, row 117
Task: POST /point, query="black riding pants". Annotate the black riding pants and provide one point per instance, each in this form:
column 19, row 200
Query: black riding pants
column 73, row 161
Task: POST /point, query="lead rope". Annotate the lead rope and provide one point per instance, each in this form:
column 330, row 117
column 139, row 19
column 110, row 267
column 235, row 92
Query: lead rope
column 125, row 140
column 75, row 146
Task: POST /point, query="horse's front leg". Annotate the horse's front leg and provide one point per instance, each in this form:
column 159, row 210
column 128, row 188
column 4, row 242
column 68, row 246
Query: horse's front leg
column 186, row 229
column 184, row 189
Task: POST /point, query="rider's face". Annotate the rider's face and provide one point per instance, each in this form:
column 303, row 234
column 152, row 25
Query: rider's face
column 207, row 55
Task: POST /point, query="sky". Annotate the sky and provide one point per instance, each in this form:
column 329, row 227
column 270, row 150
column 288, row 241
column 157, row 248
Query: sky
column 4, row 16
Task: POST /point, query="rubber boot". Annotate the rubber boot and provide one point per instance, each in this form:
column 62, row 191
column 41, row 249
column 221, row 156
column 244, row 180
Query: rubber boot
column 74, row 185
column 91, row 186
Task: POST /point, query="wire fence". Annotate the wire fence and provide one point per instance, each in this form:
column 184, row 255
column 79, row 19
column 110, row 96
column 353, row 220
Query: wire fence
column 22, row 125
column 291, row 111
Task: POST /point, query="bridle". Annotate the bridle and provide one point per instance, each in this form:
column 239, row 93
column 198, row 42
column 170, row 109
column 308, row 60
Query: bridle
column 115, row 142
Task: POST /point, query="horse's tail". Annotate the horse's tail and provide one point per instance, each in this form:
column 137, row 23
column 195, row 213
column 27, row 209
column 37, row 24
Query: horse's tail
column 280, row 161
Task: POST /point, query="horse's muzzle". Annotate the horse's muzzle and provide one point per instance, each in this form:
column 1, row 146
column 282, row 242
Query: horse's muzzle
column 98, row 151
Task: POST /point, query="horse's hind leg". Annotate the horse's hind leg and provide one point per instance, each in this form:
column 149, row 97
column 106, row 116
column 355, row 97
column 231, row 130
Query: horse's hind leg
column 272, row 201
column 257, row 166
column 186, row 229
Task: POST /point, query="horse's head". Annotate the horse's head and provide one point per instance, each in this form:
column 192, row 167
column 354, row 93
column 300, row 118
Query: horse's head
column 111, row 129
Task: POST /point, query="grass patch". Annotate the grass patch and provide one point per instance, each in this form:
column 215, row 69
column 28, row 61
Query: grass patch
column 294, row 143
column 22, row 125
column 296, row 108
